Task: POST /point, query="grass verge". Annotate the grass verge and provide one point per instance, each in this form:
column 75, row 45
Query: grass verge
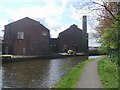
column 70, row 80
column 108, row 72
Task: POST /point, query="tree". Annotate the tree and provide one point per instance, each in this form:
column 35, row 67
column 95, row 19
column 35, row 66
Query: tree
column 112, row 8
column 111, row 39
column 109, row 25
column 106, row 13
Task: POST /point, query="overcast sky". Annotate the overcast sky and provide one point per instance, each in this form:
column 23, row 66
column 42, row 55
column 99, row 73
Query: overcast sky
column 56, row 15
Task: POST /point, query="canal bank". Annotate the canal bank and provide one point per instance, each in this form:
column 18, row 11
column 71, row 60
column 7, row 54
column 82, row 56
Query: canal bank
column 13, row 58
column 41, row 73
column 77, row 77
column 109, row 73
column 90, row 77
column 16, row 58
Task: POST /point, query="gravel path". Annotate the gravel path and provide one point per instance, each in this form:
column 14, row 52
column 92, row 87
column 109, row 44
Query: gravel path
column 90, row 78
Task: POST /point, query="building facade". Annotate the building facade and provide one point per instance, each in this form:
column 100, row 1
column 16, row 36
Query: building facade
column 53, row 45
column 70, row 39
column 26, row 37
column 74, row 38
column 29, row 37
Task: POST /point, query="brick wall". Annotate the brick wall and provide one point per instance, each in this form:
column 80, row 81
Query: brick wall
column 36, row 38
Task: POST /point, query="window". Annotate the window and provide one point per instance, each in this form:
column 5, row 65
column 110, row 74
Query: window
column 20, row 35
column 44, row 33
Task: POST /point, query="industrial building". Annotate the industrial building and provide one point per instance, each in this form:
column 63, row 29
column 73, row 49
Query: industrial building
column 74, row 38
column 26, row 37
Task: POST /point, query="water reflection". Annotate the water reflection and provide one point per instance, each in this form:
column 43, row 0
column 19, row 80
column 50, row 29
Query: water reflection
column 37, row 73
column 91, row 57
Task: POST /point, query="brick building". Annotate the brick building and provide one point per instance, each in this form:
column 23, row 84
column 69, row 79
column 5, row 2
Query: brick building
column 74, row 38
column 26, row 37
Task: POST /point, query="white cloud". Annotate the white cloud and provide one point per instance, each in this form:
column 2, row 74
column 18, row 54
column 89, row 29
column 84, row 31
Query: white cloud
column 55, row 33
column 77, row 13
column 74, row 13
column 20, row 1
column 65, row 27
column 51, row 14
column 23, row 12
column 35, row 11
column 2, row 23
column 64, row 3
column 93, row 42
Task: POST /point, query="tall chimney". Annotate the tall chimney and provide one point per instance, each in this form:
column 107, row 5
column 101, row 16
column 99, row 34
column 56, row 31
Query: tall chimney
column 84, row 24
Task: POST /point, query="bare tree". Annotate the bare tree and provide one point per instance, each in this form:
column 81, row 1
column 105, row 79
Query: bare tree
column 106, row 13
column 112, row 8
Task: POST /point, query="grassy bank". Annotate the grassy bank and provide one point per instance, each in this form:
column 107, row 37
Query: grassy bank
column 108, row 72
column 70, row 80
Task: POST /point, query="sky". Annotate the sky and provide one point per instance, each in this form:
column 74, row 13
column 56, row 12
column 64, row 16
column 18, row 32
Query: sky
column 56, row 15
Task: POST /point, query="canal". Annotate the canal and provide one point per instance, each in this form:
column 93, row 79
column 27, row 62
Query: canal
column 37, row 73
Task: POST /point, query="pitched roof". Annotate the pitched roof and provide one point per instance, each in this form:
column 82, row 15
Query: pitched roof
column 27, row 18
column 72, row 26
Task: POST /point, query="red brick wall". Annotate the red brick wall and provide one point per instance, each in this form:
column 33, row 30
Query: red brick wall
column 71, row 36
column 32, row 32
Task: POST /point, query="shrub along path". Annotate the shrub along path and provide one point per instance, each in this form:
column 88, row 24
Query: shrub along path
column 90, row 77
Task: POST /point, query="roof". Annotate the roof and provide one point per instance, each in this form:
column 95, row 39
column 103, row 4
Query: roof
column 72, row 26
column 27, row 18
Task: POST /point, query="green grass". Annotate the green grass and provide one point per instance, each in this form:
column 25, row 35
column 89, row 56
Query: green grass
column 108, row 72
column 70, row 80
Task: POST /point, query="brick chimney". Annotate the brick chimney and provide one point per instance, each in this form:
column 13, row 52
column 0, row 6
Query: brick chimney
column 84, row 24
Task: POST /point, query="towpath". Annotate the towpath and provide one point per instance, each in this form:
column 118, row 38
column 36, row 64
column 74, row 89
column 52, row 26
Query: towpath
column 90, row 77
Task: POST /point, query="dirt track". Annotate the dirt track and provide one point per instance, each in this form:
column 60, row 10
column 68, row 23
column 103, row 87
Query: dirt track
column 90, row 78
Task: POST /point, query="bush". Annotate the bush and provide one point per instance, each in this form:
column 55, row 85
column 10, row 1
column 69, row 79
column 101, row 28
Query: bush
column 108, row 72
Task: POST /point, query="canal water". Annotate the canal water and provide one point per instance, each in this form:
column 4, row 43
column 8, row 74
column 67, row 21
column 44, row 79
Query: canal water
column 37, row 73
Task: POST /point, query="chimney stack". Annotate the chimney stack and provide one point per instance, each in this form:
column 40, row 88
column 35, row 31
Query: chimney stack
column 84, row 24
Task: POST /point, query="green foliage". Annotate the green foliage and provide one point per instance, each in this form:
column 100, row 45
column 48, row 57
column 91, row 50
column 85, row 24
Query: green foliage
column 93, row 52
column 111, row 39
column 108, row 72
column 102, row 51
column 70, row 80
